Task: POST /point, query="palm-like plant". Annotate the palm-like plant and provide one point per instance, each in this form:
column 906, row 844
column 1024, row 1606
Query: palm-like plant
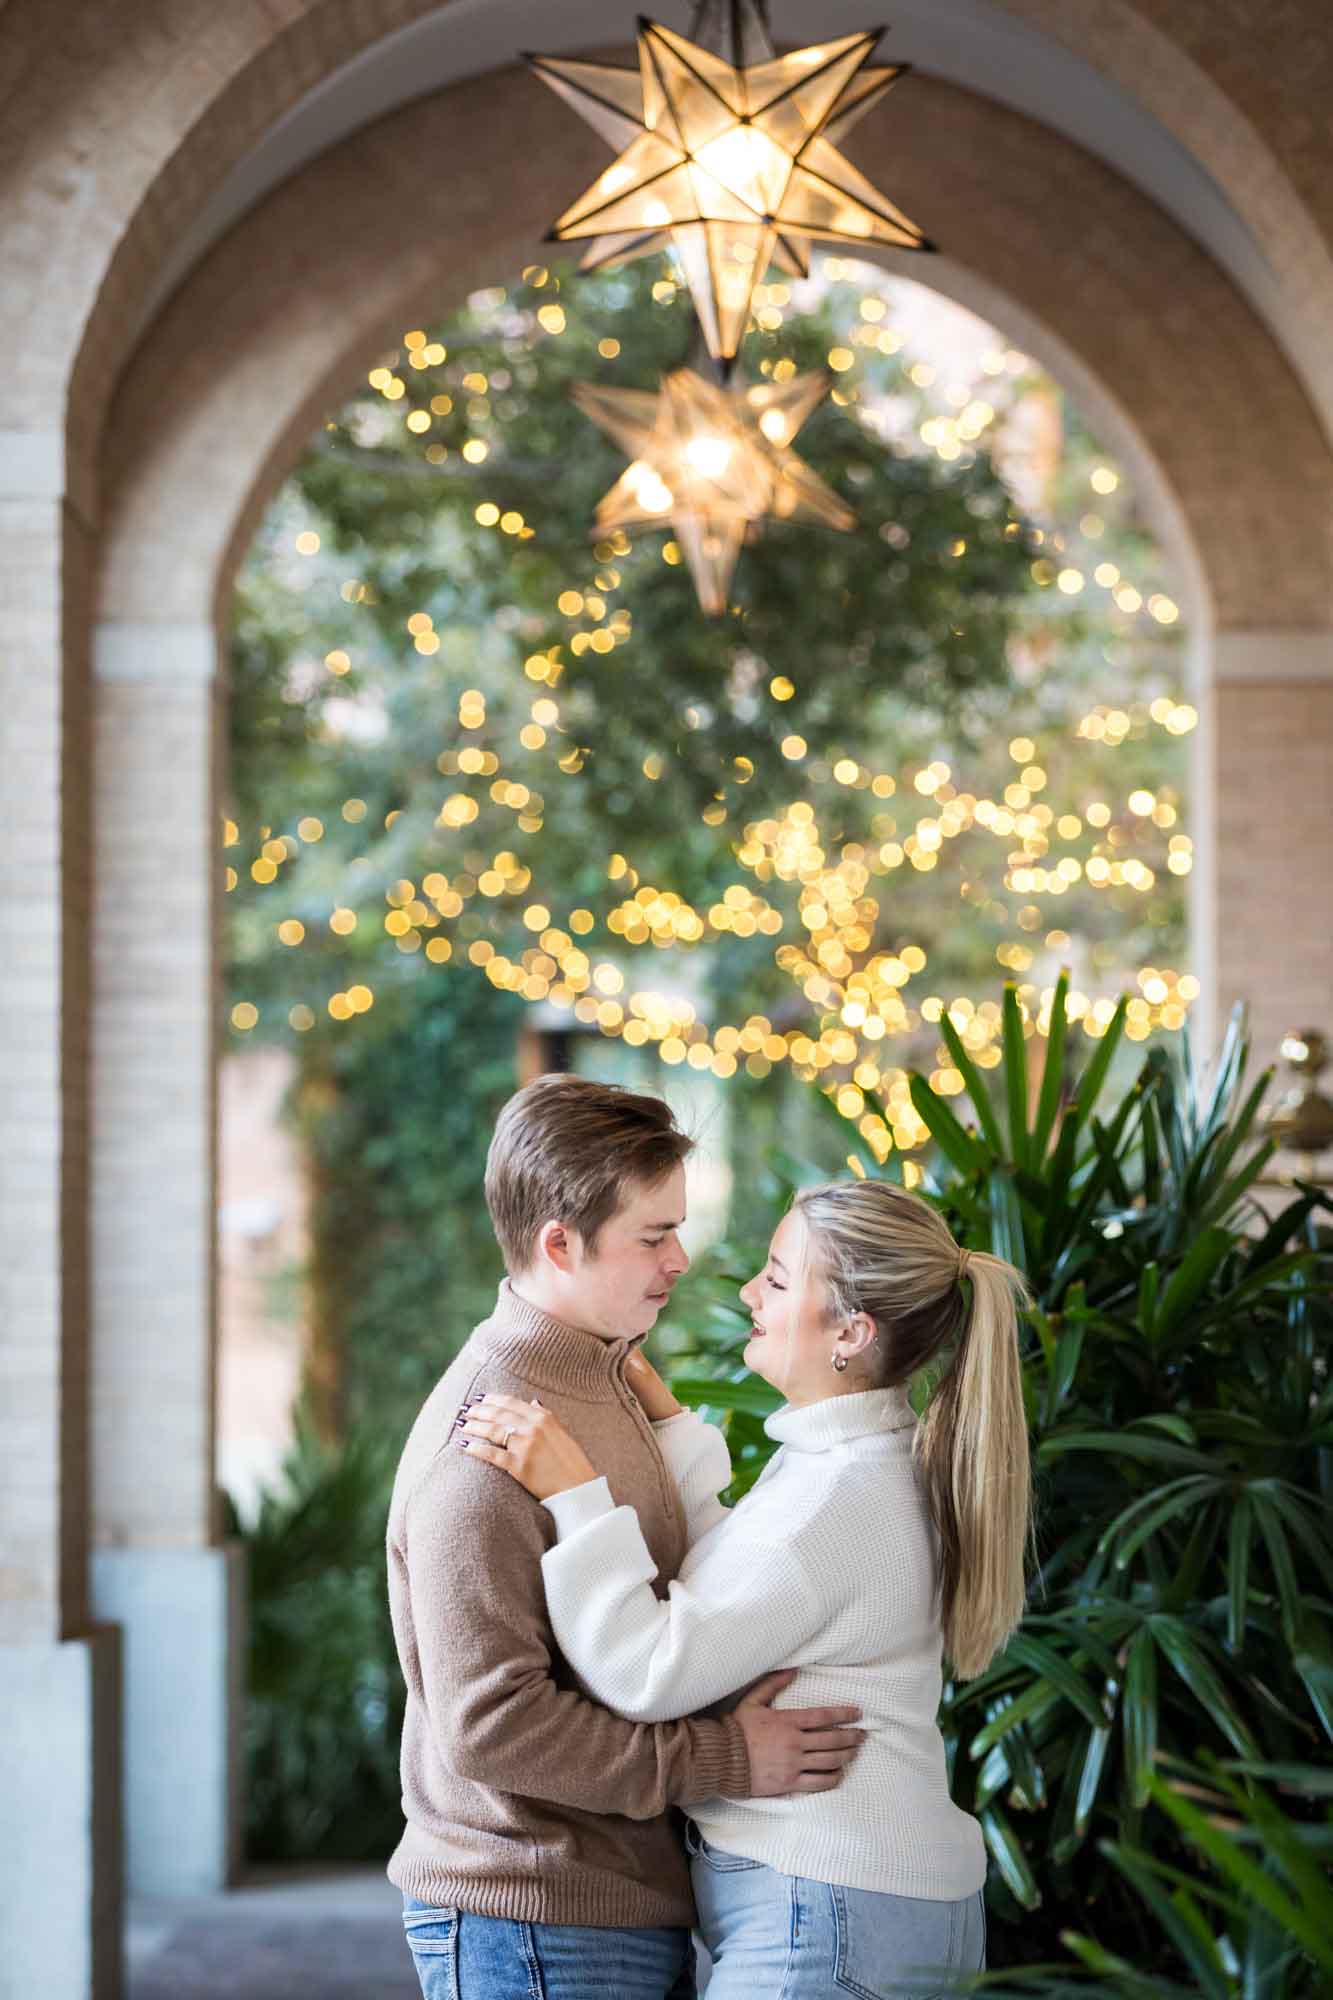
column 1252, row 1919
column 1181, row 1414
column 325, row 1696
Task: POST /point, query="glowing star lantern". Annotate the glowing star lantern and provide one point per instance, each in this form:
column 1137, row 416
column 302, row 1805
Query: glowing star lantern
column 730, row 159
column 715, row 462
column 737, row 31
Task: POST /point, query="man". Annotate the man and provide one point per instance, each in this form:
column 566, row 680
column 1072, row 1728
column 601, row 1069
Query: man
column 540, row 1858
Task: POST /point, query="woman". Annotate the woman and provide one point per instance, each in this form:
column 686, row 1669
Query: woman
column 871, row 1546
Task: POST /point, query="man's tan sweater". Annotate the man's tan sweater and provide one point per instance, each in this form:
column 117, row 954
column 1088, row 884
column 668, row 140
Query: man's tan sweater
column 524, row 1798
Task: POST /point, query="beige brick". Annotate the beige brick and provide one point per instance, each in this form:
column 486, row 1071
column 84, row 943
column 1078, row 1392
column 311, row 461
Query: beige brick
column 153, row 1136
column 1274, row 752
column 44, row 583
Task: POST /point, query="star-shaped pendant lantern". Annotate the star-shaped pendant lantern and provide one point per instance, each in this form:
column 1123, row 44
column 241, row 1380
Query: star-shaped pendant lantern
column 730, row 159
column 715, row 462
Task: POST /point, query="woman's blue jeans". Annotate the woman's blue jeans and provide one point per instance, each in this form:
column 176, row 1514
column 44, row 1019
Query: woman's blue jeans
column 459, row 1956
column 781, row 1937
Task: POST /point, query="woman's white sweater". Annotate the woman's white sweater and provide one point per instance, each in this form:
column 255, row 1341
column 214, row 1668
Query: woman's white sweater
column 826, row 1565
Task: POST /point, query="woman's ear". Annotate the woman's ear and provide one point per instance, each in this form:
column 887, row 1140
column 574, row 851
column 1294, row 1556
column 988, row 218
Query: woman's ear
column 857, row 1334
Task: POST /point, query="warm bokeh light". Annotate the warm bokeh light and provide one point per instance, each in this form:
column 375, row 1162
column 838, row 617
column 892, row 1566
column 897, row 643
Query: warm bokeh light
column 1062, row 843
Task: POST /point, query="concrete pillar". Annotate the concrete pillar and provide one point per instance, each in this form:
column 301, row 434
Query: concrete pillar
column 60, row 1834
column 1272, row 756
column 59, row 1851
column 157, row 1570
column 180, row 1613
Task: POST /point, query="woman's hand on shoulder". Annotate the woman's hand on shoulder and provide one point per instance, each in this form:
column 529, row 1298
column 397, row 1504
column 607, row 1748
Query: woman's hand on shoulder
column 655, row 1399
column 527, row 1442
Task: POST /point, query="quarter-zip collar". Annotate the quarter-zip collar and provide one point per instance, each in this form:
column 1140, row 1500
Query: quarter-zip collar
column 550, row 1353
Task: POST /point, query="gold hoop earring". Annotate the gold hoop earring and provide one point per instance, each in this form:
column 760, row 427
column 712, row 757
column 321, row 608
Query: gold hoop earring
column 839, row 1361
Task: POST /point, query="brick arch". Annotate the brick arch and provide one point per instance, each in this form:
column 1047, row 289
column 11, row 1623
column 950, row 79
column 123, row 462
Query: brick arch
column 1244, row 101
column 117, row 131
column 277, row 324
column 118, row 128
column 198, row 90
column 272, row 327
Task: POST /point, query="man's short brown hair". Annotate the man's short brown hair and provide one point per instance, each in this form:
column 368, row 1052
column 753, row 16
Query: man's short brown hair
column 567, row 1149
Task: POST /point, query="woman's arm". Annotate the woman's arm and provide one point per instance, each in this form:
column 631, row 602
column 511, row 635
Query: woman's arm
column 744, row 1607
column 748, row 1602
column 543, row 1457
column 747, row 1605
column 480, row 1656
column 695, row 1453
column 696, row 1456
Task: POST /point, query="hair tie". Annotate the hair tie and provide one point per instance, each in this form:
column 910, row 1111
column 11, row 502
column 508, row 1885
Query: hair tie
column 963, row 1257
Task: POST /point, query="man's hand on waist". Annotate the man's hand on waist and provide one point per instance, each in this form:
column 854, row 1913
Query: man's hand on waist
column 795, row 1749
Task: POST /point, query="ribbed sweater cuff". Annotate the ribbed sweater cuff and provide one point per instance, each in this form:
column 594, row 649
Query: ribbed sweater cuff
column 579, row 1504
column 721, row 1762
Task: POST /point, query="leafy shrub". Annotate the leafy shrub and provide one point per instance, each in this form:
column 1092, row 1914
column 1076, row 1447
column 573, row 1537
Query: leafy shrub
column 325, row 1705
column 1254, row 1915
column 1149, row 1757
column 1176, row 1377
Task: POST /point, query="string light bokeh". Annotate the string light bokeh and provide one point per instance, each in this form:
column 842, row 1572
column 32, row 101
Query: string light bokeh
column 1035, row 845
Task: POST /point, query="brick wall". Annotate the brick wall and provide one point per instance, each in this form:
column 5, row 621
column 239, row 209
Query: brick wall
column 44, row 880
column 1274, row 778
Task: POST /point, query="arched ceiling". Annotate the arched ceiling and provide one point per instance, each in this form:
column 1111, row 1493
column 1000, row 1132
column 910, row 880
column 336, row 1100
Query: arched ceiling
column 979, row 44
column 275, row 321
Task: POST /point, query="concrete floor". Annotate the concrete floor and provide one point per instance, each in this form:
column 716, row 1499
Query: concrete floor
column 289, row 1934
column 331, row 1935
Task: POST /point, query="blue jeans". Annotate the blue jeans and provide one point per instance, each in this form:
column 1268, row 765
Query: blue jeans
column 462, row 1957
column 781, row 1937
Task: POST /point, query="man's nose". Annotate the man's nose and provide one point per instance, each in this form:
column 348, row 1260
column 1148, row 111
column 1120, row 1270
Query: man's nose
column 678, row 1259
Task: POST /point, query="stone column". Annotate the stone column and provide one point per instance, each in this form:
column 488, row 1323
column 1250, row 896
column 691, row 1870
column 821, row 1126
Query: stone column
column 59, row 1845
column 1272, row 775
column 158, row 1569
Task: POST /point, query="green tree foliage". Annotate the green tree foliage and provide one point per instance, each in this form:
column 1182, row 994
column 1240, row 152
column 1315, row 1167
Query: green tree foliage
column 881, row 639
column 396, row 1123
column 939, row 628
column 346, row 737
column 901, row 641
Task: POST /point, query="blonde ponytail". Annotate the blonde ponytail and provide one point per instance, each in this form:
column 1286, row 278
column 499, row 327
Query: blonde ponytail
column 888, row 1253
column 972, row 1449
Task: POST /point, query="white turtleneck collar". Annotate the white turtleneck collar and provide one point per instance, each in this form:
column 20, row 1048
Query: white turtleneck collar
column 840, row 1419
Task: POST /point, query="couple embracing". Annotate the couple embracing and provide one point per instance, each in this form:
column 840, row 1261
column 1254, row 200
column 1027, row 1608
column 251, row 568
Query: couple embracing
column 632, row 1710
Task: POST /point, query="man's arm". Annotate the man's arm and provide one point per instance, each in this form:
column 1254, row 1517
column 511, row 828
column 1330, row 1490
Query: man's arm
column 473, row 1547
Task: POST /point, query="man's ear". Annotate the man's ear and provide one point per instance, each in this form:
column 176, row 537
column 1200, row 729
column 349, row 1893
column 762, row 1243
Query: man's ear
column 555, row 1246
